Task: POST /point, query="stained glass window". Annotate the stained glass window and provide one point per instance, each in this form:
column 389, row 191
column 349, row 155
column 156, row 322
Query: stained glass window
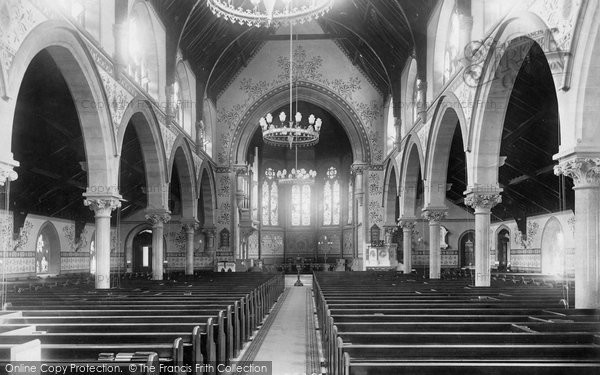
column 274, row 207
column 270, row 197
column 331, row 198
column 327, row 203
column 265, row 203
column 452, row 48
column 305, row 205
column 296, row 205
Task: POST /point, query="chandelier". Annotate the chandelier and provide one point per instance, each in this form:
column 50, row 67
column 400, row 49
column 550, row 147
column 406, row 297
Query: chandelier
column 292, row 133
column 296, row 177
column 258, row 13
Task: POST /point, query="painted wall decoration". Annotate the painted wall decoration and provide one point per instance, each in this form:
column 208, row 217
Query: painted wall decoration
column 253, row 245
column 375, row 196
column 75, row 244
column 315, row 62
column 272, row 244
column 348, row 249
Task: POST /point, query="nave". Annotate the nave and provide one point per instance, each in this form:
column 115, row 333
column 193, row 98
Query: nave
column 336, row 323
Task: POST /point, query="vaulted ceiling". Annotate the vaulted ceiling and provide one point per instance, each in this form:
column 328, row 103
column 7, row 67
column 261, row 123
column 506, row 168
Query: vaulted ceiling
column 377, row 35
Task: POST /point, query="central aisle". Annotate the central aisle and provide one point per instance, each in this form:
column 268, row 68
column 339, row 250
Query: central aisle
column 288, row 338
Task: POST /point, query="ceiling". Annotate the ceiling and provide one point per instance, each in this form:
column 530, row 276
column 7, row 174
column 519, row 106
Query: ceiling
column 377, row 35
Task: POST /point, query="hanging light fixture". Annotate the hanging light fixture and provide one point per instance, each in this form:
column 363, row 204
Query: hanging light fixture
column 293, row 132
column 259, row 13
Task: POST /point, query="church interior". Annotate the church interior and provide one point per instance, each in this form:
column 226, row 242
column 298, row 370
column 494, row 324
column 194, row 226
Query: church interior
column 300, row 186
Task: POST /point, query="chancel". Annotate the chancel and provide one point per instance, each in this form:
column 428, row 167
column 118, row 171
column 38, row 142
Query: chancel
column 314, row 186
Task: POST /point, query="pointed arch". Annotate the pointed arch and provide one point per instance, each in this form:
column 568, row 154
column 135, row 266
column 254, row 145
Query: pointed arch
column 510, row 46
column 181, row 156
column 207, row 196
column 50, row 254
column 390, row 193
column 141, row 116
column 83, row 80
column 411, row 168
column 447, row 116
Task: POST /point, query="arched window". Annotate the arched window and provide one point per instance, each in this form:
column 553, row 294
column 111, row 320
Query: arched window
column 331, row 198
column 452, row 48
column 42, row 254
column 301, row 204
column 47, row 250
column 270, row 197
column 137, row 59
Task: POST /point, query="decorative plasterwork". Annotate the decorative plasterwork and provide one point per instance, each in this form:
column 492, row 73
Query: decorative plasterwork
column 168, row 137
column 17, row 19
column 118, row 99
column 583, row 171
column 560, row 16
column 308, row 71
column 197, row 164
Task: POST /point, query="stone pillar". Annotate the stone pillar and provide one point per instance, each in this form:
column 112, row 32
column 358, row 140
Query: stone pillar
column 482, row 203
column 407, row 225
column 210, row 243
column 359, row 197
column 102, row 207
column 585, row 172
column 398, row 126
column 434, row 216
column 190, row 230
column 158, row 220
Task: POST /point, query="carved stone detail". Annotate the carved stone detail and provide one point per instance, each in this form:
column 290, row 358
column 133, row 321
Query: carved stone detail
column 486, row 201
column 407, row 224
column 158, row 218
column 358, row 168
column 102, row 206
column 190, row 227
column 7, row 173
column 434, row 214
column 583, row 171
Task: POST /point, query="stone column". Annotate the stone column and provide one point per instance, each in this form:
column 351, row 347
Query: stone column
column 359, row 197
column 434, row 216
column 158, row 220
column 482, row 203
column 398, row 127
column 407, row 225
column 210, row 243
column 190, row 230
column 102, row 207
column 585, row 172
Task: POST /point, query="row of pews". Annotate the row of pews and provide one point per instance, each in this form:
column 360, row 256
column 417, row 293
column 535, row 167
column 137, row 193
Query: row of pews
column 388, row 323
column 191, row 324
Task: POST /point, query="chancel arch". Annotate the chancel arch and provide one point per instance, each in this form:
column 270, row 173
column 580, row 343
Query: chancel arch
column 306, row 92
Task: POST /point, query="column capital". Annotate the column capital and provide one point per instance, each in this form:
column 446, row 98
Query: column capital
column 239, row 169
column 434, row 214
column 102, row 206
column 158, row 218
column 190, row 226
column 483, row 200
column 210, row 232
column 358, row 168
column 407, row 223
column 585, row 171
column 7, row 172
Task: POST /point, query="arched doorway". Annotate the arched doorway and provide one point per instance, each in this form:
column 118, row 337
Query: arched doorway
column 142, row 251
column 553, row 253
column 503, row 249
column 47, row 251
column 466, row 244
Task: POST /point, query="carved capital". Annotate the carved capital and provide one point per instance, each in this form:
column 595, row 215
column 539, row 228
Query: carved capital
column 483, row 201
column 358, row 168
column 406, row 224
column 158, row 218
column 585, row 172
column 435, row 215
column 190, row 227
column 210, row 232
column 102, row 207
column 240, row 169
column 7, row 172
